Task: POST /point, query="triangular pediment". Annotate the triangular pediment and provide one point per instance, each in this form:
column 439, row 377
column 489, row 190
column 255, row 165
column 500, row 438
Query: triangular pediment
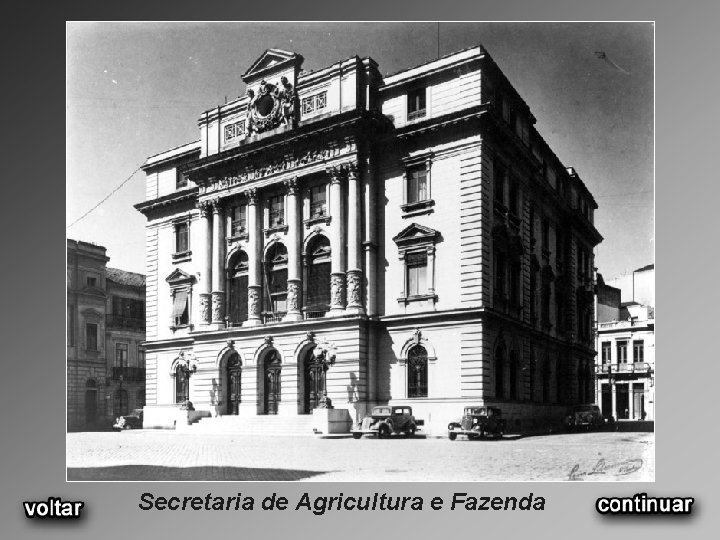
column 178, row 276
column 416, row 233
column 270, row 61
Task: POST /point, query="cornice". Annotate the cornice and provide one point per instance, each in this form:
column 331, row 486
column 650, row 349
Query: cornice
column 167, row 201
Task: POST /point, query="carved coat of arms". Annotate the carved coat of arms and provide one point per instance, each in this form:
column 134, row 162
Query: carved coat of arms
column 272, row 106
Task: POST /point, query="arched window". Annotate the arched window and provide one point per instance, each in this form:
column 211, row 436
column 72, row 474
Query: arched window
column 120, row 403
column 514, row 376
column 317, row 276
column 500, row 371
column 238, row 288
column 276, row 274
column 546, row 370
column 417, row 361
column 182, row 385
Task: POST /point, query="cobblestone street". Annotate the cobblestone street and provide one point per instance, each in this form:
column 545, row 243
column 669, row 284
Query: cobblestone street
column 166, row 455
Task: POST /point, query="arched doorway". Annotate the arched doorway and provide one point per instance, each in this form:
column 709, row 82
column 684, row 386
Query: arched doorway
column 90, row 402
column 313, row 381
column 233, row 371
column 272, row 392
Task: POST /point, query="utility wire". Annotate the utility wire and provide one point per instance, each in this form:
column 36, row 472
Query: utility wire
column 106, row 198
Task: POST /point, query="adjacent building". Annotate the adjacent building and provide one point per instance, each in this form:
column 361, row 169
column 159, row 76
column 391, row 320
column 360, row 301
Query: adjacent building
column 105, row 331
column 625, row 367
column 339, row 234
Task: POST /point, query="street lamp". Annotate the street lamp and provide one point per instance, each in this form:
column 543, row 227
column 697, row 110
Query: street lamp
column 324, row 354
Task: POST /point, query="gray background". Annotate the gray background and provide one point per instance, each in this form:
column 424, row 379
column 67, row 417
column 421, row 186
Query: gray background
column 32, row 396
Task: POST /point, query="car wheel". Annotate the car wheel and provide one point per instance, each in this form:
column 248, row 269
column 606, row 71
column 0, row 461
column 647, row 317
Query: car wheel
column 383, row 432
column 127, row 426
column 410, row 432
column 452, row 435
column 356, row 435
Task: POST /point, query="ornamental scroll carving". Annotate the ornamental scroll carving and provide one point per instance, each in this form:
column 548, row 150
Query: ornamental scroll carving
column 296, row 158
column 253, row 302
column 218, row 304
column 205, row 308
column 336, row 290
column 354, row 288
column 293, row 293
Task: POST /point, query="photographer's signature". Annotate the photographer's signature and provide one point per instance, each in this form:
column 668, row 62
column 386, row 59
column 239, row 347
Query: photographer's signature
column 604, row 467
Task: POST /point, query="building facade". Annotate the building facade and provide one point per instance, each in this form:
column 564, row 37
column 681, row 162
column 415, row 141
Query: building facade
column 400, row 239
column 105, row 331
column 625, row 367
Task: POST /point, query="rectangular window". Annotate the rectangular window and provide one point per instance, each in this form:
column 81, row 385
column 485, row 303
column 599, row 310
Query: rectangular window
column 417, row 184
column 318, row 203
column 314, row 103
column 416, row 264
column 416, row 104
column 622, row 352
column 91, row 281
column 515, row 284
column 91, row 336
column 234, row 131
column 606, row 352
column 121, row 355
column 182, row 237
column 638, row 351
column 499, row 183
column 181, row 180
column 181, row 314
column 276, row 207
column 238, row 220
column 545, row 234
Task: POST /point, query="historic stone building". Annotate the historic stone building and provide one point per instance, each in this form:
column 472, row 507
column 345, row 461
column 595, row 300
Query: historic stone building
column 105, row 331
column 404, row 239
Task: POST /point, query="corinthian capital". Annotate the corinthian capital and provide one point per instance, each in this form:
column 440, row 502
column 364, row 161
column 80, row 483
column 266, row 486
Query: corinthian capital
column 205, row 208
column 334, row 173
column 252, row 196
column 216, row 205
column 292, row 186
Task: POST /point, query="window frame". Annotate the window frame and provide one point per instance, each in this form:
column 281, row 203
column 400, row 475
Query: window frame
column 622, row 345
column 416, row 239
column 420, row 389
column 95, row 338
column 180, row 255
column 118, row 361
column 414, row 98
column 419, row 206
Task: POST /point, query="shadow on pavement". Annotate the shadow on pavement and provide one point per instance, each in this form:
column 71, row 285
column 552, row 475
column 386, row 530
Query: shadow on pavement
column 159, row 473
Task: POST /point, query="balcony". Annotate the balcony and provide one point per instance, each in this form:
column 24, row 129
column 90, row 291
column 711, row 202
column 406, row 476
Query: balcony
column 636, row 367
column 119, row 321
column 269, row 318
column 128, row 374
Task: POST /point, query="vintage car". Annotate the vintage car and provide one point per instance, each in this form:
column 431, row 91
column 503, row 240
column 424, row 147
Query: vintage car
column 584, row 416
column 478, row 422
column 134, row 420
column 388, row 420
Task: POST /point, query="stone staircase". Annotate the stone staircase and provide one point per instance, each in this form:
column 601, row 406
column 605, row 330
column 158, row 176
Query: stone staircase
column 293, row 426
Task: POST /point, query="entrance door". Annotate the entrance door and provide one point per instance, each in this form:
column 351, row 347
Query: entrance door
column 233, row 380
column 314, row 382
column 622, row 402
column 272, row 382
column 90, row 407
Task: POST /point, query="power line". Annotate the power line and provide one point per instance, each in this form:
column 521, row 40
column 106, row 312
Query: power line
column 106, row 198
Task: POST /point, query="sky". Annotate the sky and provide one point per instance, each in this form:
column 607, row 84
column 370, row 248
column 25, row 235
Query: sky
column 136, row 89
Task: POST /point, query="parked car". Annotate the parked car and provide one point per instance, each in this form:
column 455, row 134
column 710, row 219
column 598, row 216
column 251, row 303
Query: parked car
column 478, row 422
column 388, row 420
column 134, row 420
column 584, row 416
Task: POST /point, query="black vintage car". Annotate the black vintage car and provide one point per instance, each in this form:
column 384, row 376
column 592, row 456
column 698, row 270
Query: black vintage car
column 134, row 420
column 386, row 420
column 585, row 417
column 478, row 422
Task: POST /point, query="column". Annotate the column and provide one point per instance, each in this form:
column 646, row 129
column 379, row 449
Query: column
column 204, row 253
column 370, row 243
column 354, row 240
column 613, row 400
column 337, row 264
column 218, row 264
column 294, row 301
column 254, row 256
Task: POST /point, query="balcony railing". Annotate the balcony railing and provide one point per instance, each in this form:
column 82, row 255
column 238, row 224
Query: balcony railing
column 119, row 321
column 129, row 374
column 314, row 314
column 273, row 317
column 635, row 367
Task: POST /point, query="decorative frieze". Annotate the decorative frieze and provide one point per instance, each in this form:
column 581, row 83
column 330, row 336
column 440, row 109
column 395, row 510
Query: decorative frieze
column 292, row 160
column 254, row 302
